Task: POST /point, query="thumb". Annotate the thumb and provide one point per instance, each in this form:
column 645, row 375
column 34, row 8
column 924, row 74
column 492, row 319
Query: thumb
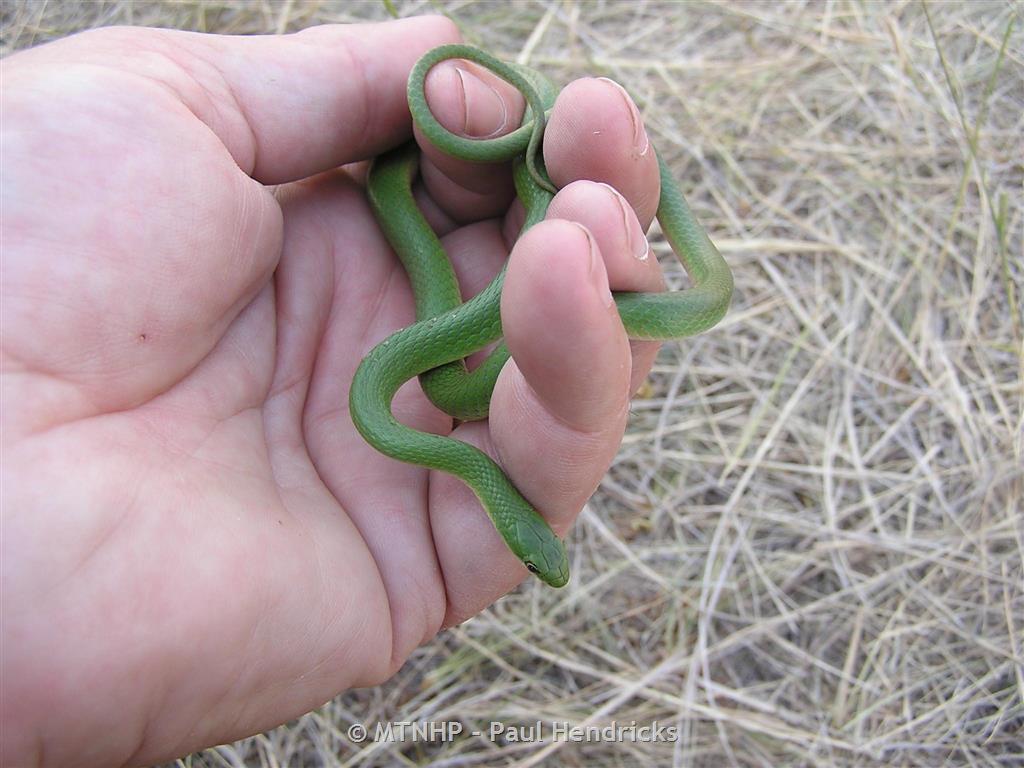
column 325, row 96
column 285, row 106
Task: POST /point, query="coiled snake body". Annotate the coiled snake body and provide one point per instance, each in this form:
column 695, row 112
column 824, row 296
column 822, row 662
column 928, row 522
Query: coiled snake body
column 447, row 331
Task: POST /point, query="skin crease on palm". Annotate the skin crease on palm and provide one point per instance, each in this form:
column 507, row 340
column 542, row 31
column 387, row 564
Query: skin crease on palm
column 197, row 545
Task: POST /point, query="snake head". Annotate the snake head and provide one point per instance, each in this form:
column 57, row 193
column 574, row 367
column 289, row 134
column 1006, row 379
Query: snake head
column 546, row 557
column 554, row 567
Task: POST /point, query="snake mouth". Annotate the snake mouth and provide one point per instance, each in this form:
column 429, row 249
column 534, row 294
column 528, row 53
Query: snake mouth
column 557, row 576
column 561, row 577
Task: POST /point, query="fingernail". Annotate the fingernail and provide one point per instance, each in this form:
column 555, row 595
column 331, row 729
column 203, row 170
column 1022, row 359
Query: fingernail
column 640, row 141
column 598, row 274
column 483, row 110
column 638, row 244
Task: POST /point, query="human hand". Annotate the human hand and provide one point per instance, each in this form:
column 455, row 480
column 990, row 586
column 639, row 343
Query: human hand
column 197, row 545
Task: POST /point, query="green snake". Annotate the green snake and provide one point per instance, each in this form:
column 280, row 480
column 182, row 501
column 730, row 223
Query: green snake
column 447, row 330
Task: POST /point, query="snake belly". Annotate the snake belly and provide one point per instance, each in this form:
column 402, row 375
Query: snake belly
column 447, row 331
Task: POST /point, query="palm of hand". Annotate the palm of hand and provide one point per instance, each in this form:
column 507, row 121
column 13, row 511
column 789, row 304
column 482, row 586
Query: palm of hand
column 174, row 372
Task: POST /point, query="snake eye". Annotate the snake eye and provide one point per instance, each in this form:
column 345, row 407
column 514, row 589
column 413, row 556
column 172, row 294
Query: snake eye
column 532, row 568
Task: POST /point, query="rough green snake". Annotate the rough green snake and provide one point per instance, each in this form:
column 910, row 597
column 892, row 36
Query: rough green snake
column 447, row 330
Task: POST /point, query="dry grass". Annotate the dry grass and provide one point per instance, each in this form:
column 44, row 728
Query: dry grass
column 810, row 548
